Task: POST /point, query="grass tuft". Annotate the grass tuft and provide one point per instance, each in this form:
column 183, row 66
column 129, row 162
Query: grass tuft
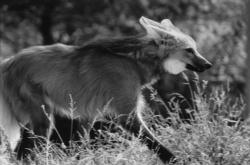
column 212, row 138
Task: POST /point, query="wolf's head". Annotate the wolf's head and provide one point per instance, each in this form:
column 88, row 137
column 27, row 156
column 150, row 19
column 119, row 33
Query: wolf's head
column 177, row 49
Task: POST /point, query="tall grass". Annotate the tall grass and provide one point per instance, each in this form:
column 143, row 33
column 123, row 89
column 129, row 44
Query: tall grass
column 213, row 138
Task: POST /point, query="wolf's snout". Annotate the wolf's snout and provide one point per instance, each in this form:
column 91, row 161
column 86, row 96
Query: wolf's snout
column 202, row 65
column 207, row 65
column 199, row 64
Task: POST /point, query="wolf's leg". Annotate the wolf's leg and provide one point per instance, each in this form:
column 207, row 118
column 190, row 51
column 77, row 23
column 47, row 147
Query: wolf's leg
column 33, row 135
column 9, row 124
column 40, row 123
column 134, row 123
column 24, row 145
column 67, row 130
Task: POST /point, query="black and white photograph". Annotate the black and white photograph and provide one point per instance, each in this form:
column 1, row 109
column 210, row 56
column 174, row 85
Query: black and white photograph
column 124, row 82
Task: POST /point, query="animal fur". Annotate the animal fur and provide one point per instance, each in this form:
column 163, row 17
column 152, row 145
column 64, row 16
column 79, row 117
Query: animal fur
column 103, row 77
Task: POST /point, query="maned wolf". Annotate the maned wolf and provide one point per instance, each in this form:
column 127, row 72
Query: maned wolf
column 104, row 77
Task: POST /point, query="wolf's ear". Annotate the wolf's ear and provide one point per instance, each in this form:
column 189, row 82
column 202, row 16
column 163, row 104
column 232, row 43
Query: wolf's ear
column 168, row 25
column 156, row 29
column 150, row 27
column 161, row 31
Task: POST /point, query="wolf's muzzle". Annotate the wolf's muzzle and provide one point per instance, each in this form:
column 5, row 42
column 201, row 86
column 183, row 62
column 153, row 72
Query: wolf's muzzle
column 199, row 64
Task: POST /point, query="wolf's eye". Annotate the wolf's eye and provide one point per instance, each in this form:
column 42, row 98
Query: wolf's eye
column 190, row 50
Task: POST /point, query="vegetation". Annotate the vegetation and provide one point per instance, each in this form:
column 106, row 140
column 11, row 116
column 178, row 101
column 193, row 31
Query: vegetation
column 212, row 138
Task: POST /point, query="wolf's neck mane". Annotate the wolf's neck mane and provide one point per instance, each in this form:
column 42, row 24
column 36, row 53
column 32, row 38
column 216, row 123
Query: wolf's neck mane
column 140, row 48
column 132, row 46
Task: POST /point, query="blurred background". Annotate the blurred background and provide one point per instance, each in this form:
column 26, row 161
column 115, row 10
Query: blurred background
column 216, row 25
